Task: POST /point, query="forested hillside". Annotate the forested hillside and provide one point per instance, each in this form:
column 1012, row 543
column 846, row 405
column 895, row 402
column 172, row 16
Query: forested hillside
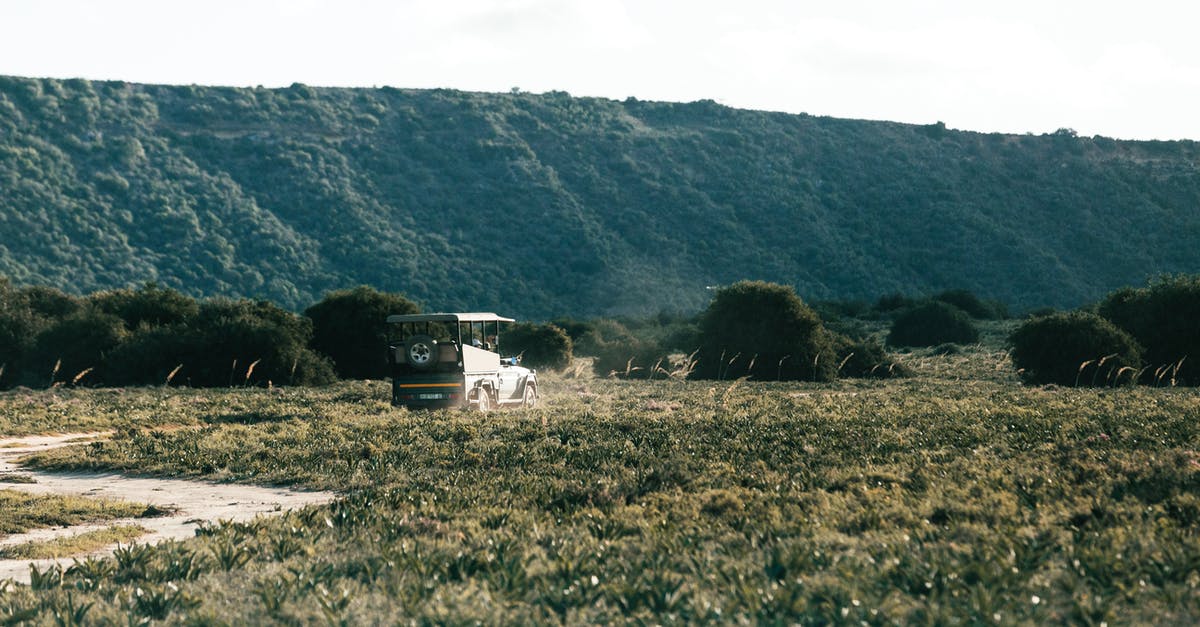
column 538, row 205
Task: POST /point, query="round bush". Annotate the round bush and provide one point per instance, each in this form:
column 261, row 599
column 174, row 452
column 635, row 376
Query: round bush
column 932, row 323
column 864, row 358
column 764, row 331
column 148, row 305
column 350, row 326
column 76, row 343
column 1075, row 348
column 974, row 306
column 540, row 345
column 1162, row 318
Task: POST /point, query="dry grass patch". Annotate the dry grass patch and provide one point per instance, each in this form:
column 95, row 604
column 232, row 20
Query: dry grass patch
column 78, row 544
column 20, row 511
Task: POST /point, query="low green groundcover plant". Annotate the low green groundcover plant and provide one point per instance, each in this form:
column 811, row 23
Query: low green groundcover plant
column 955, row 496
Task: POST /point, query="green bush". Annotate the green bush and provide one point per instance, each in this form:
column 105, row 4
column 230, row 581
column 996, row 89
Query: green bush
column 49, row 302
column 575, row 329
column 974, row 306
column 1076, row 348
column 540, row 345
column 74, row 344
column 865, row 358
column 229, row 336
column 1162, row 318
column 764, row 331
column 151, row 355
column 617, row 352
column 892, row 303
column 350, row 326
column 148, row 305
column 932, row 323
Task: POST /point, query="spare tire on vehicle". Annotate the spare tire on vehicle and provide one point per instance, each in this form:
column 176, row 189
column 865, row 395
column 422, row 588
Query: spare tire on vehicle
column 421, row 352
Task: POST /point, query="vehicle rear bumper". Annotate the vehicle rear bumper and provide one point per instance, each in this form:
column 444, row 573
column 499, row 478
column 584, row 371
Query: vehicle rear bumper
column 429, row 391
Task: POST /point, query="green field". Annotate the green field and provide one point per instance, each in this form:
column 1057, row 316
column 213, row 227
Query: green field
column 955, row 496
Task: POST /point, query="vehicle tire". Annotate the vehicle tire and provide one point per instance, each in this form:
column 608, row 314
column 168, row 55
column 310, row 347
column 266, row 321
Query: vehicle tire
column 421, row 352
column 530, row 396
column 485, row 401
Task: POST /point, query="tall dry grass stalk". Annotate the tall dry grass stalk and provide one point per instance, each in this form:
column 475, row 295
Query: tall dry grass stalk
column 171, row 375
column 250, row 371
column 82, row 373
column 816, row 361
column 232, row 371
column 779, row 367
column 576, row 369
column 1101, row 365
column 657, row 368
column 1175, row 369
column 729, row 365
column 729, row 390
column 54, row 372
column 2, row 367
column 843, row 364
column 688, row 364
column 1082, row 366
column 1159, row 373
column 1117, row 379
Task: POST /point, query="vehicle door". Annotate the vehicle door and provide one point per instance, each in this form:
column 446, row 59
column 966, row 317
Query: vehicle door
column 510, row 379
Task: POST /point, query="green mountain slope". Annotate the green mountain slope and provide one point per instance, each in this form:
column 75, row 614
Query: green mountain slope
column 539, row 205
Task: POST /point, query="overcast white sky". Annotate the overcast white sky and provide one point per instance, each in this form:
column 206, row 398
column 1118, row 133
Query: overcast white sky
column 1127, row 69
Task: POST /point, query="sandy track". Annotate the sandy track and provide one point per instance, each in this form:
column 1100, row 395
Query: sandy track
column 194, row 501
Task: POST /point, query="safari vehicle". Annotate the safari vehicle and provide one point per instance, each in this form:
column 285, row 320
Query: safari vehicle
column 453, row 360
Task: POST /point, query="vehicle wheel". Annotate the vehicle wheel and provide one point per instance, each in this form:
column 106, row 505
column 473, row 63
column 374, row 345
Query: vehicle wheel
column 422, row 352
column 485, row 401
column 530, row 396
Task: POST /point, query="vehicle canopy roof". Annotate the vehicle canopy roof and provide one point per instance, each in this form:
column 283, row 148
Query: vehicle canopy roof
column 449, row 317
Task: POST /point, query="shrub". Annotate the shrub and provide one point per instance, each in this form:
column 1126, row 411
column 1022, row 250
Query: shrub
column 148, row 305
column 973, row 305
column 49, row 302
column 350, row 326
column 619, row 353
column 1162, row 318
column 637, row 359
column 228, row 336
column 892, row 303
column 575, row 329
column 865, row 358
column 764, row 331
column 74, row 344
column 1075, row 348
column 540, row 345
column 932, row 323
column 151, row 354
column 18, row 328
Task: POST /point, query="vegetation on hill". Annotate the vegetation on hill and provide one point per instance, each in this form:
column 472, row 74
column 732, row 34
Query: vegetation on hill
column 543, row 205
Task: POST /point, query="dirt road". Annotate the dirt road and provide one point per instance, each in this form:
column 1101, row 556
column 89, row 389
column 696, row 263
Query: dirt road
column 194, row 501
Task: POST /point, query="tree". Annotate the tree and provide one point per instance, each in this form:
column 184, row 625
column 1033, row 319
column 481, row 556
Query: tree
column 764, row 331
column 350, row 326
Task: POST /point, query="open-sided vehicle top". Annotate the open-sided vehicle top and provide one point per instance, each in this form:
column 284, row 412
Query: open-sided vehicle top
column 453, row 359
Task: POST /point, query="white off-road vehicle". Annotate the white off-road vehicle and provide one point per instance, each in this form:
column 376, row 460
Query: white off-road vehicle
column 453, row 360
